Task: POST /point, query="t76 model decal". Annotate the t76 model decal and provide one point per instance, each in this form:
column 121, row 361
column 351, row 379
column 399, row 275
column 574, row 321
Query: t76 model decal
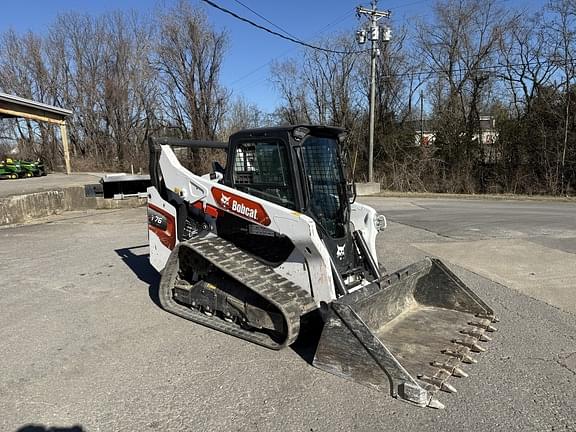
column 241, row 206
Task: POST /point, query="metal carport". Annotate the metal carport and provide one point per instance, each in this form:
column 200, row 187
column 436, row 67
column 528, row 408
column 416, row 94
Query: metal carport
column 16, row 107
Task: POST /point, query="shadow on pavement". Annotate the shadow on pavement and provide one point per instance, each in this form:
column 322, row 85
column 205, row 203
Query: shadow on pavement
column 310, row 332
column 40, row 428
column 140, row 265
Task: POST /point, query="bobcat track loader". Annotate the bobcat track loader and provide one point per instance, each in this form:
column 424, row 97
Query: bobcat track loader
column 275, row 237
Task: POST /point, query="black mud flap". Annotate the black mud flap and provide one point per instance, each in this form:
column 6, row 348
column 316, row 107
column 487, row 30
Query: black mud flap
column 407, row 335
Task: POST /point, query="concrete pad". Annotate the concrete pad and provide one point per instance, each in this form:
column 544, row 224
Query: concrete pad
column 538, row 271
column 363, row 189
column 384, row 205
column 51, row 182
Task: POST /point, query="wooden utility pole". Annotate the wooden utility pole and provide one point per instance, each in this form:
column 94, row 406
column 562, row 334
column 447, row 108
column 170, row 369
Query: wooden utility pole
column 373, row 34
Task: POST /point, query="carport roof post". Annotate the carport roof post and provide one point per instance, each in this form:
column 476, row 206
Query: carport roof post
column 15, row 106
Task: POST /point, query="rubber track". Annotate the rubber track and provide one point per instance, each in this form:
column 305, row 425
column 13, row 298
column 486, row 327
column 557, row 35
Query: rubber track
column 291, row 300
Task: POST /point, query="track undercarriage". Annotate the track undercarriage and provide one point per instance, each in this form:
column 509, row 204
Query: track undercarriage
column 212, row 282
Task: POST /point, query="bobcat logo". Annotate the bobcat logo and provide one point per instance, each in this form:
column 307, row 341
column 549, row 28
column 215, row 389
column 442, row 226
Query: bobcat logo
column 340, row 251
column 225, row 200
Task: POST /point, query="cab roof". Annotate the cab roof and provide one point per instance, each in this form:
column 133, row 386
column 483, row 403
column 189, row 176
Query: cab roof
column 294, row 131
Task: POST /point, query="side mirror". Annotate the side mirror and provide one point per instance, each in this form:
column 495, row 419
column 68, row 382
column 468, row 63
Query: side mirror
column 217, row 169
column 351, row 192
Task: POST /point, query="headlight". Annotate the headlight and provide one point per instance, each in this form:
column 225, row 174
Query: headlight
column 380, row 222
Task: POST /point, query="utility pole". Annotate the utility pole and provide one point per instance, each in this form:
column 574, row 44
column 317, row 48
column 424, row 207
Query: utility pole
column 421, row 118
column 373, row 34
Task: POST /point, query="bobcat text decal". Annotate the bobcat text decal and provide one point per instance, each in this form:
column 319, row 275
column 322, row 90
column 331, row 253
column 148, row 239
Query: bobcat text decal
column 241, row 206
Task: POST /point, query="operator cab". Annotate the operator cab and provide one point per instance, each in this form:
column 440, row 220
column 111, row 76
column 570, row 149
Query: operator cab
column 300, row 168
column 297, row 167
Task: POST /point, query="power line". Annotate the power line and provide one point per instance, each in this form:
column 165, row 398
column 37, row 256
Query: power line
column 294, row 39
column 409, row 4
column 266, row 19
column 275, row 33
column 338, row 20
column 475, row 69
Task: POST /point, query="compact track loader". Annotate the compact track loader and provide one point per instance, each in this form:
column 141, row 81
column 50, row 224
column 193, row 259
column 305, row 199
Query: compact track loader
column 259, row 247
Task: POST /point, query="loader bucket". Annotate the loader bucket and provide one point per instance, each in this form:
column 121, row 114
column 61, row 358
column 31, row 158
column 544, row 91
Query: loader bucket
column 406, row 335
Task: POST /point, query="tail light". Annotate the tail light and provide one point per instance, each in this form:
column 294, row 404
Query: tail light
column 162, row 223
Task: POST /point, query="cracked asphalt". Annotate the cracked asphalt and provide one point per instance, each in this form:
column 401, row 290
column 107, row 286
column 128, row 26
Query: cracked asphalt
column 83, row 342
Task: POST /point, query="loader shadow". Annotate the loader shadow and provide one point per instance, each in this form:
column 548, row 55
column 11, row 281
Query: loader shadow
column 309, row 337
column 41, row 428
column 140, row 265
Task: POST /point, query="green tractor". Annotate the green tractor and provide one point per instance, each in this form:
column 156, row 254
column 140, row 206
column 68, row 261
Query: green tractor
column 32, row 169
column 5, row 173
column 10, row 169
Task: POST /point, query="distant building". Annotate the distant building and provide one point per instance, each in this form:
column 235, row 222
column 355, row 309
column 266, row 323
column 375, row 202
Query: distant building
column 488, row 136
column 426, row 137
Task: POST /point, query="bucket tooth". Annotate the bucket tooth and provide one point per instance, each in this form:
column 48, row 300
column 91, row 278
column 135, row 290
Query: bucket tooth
column 458, row 372
column 483, row 324
column 436, row 404
column 454, row 370
column 460, row 355
column 449, row 388
column 491, row 318
column 478, row 334
column 469, row 343
column 443, row 366
column 437, row 382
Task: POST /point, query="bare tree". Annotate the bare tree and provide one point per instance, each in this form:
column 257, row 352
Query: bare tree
column 242, row 115
column 189, row 57
column 398, row 78
column 287, row 80
column 319, row 87
column 525, row 54
column 526, row 51
column 459, row 46
column 23, row 72
column 563, row 30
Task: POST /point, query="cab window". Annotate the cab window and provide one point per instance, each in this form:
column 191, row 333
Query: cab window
column 261, row 169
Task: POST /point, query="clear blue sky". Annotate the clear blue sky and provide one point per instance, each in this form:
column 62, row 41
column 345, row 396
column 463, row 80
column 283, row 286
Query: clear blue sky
column 246, row 67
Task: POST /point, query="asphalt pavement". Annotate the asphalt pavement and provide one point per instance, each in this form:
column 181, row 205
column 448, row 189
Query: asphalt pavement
column 529, row 246
column 84, row 343
column 50, row 182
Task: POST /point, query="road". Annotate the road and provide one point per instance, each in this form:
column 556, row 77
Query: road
column 83, row 341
